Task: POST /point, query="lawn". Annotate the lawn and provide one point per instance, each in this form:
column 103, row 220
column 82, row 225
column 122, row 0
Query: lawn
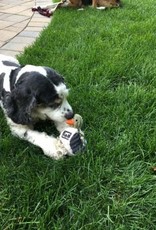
column 108, row 61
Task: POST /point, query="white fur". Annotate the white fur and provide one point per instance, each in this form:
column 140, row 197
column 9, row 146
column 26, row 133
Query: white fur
column 101, row 8
column 7, row 81
column 62, row 90
column 7, row 70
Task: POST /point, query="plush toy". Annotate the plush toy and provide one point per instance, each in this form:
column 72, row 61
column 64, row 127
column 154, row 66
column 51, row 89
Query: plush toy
column 49, row 9
column 75, row 122
column 72, row 137
column 43, row 11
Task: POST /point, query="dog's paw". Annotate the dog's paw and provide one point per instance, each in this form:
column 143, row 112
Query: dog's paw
column 80, row 9
column 101, row 8
column 54, row 149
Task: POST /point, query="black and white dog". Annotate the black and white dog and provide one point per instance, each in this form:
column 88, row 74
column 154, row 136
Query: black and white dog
column 31, row 93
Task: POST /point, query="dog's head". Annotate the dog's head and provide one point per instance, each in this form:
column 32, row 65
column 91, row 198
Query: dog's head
column 37, row 93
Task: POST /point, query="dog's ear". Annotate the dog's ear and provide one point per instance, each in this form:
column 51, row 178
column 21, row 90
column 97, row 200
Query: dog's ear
column 19, row 105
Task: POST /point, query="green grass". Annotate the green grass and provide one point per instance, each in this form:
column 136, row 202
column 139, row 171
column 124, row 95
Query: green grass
column 108, row 60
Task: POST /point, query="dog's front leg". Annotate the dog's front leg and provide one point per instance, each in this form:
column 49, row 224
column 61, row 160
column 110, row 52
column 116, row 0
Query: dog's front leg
column 94, row 3
column 51, row 146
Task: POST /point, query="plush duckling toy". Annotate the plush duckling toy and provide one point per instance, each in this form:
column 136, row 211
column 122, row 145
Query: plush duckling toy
column 75, row 122
column 72, row 137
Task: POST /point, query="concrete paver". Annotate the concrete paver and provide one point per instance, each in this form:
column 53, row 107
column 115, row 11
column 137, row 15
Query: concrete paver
column 19, row 25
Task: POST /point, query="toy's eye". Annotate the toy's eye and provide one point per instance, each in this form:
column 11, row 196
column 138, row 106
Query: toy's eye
column 76, row 120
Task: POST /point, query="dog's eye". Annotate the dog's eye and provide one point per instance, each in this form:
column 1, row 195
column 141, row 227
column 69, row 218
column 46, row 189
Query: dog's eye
column 58, row 101
column 55, row 104
column 58, row 104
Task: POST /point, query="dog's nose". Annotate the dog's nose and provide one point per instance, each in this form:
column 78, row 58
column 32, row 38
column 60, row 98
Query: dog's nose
column 69, row 115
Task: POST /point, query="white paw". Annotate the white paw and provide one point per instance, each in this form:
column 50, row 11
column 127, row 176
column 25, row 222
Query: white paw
column 80, row 9
column 101, row 8
column 55, row 149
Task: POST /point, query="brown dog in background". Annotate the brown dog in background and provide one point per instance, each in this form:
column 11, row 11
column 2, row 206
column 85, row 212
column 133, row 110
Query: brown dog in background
column 106, row 3
column 94, row 3
column 98, row 4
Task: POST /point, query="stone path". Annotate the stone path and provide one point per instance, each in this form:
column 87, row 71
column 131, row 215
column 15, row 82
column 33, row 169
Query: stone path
column 19, row 26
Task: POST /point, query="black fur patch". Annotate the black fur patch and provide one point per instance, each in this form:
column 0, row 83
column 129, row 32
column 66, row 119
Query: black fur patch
column 13, row 76
column 86, row 2
column 37, row 85
column 25, row 134
column 9, row 63
column 53, row 76
column 1, row 83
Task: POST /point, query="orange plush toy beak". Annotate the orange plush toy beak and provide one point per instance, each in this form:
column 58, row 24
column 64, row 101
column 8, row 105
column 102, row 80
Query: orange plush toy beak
column 70, row 122
column 75, row 122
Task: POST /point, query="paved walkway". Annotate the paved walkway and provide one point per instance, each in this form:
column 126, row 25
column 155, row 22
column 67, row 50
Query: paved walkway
column 19, row 26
